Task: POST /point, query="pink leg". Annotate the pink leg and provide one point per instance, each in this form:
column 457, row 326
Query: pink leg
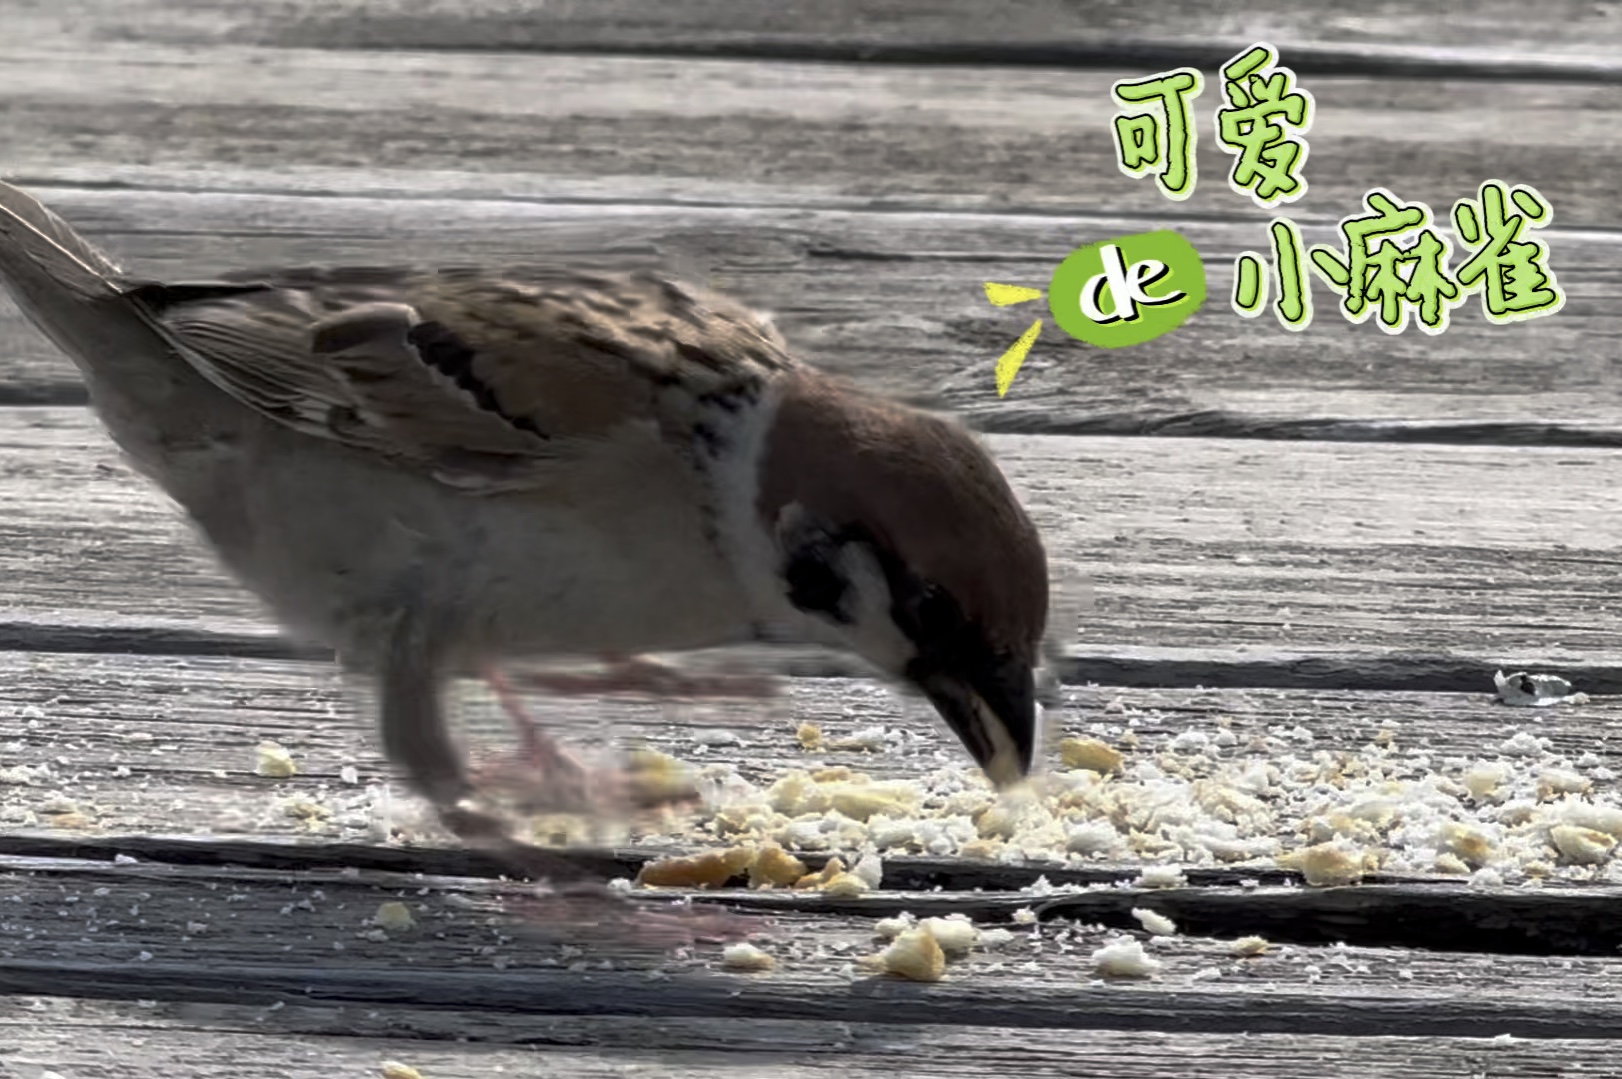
column 644, row 677
column 546, row 776
column 582, row 909
column 584, row 912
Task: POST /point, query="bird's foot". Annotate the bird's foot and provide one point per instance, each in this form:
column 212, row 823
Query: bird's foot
column 641, row 676
column 546, row 777
column 581, row 908
column 595, row 913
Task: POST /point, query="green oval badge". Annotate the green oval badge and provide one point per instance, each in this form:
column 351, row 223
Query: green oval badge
column 1127, row 290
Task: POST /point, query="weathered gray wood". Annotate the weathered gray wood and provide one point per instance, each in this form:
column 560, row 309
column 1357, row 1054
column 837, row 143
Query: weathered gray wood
column 1492, row 554
column 1434, row 915
column 607, row 128
column 256, row 942
column 1565, row 38
column 194, row 1041
column 102, row 750
column 896, row 299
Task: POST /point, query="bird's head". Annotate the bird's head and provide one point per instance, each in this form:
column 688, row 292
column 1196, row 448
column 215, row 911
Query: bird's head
column 897, row 535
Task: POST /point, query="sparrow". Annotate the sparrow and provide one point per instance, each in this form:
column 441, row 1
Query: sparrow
column 435, row 471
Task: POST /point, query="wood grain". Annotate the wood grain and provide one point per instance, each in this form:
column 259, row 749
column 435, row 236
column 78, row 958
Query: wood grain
column 860, row 170
column 101, row 750
column 787, row 135
column 1305, row 548
column 192, row 1041
column 956, row 184
column 305, row 941
column 1566, row 38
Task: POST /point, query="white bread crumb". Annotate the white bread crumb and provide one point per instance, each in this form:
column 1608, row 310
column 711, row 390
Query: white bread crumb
column 916, row 955
column 1155, row 922
column 955, row 934
column 393, row 1069
column 272, row 760
column 1124, row 957
column 1160, row 876
column 1248, row 947
column 393, row 916
column 746, row 957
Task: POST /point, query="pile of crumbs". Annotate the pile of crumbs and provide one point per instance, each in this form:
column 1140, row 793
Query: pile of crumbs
column 1515, row 811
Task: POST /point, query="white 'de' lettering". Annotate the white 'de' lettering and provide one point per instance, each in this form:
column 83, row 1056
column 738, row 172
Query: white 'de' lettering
column 1126, row 285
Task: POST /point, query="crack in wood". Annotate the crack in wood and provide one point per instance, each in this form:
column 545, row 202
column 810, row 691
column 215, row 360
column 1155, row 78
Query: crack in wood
column 1435, row 914
column 615, row 993
column 1114, row 55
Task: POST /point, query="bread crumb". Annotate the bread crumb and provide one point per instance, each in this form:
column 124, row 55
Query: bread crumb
column 1249, row 947
column 393, row 1069
column 916, row 956
column 1581, row 846
column 870, row 868
column 712, row 869
column 774, row 867
column 866, row 740
column 272, row 760
column 393, row 916
column 809, row 735
column 864, row 801
column 1155, row 922
column 1448, row 862
column 832, row 868
column 996, row 937
column 1484, row 780
column 1160, row 876
column 1326, row 864
column 845, row 886
column 891, row 928
column 311, row 812
column 746, row 957
column 1124, row 957
column 1091, row 754
column 955, row 934
column 658, row 778
column 1471, row 845
column 1557, row 781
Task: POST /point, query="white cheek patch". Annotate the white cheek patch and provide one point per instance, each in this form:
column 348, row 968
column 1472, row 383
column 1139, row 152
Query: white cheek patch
column 872, row 632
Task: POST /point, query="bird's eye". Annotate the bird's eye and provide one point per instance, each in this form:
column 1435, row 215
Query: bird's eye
column 934, row 621
column 815, row 584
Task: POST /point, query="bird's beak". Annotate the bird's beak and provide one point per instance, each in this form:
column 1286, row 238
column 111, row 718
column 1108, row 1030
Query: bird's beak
column 993, row 711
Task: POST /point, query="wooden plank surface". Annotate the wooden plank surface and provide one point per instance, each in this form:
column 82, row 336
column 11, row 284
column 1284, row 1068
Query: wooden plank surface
column 1567, row 36
column 849, row 171
column 560, row 168
column 1353, row 549
column 313, row 1042
column 124, row 933
column 754, row 133
column 99, row 747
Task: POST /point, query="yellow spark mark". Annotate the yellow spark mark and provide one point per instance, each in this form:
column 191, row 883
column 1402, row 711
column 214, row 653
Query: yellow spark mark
column 1008, row 366
column 1004, row 295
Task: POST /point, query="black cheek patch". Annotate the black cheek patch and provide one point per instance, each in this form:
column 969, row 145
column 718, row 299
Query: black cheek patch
column 929, row 617
column 814, row 585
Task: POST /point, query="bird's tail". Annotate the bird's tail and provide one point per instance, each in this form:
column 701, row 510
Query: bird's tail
column 147, row 395
column 79, row 298
column 67, row 288
column 41, row 255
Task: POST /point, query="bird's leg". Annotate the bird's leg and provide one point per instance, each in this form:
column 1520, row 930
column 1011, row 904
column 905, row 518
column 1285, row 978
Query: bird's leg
column 415, row 738
column 547, row 776
column 646, row 677
column 415, row 735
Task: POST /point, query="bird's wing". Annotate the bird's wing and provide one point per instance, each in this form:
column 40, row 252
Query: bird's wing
column 479, row 378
